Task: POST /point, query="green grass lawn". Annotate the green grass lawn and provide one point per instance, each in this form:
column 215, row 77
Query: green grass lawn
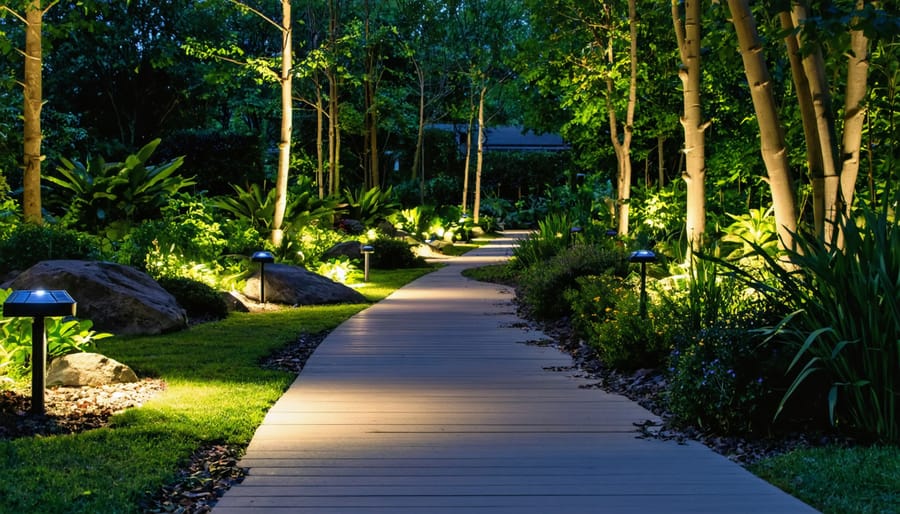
column 863, row 480
column 217, row 393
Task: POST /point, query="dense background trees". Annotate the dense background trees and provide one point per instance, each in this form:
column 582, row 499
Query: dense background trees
column 369, row 78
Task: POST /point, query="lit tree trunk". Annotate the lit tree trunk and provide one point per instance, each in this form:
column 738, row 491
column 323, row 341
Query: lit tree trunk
column 334, row 132
column 32, row 83
column 284, row 145
column 808, row 115
column 623, row 147
column 827, row 184
column 479, row 158
column 689, row 38
column 772, row 146
column 854, row 112
column 465, row 198
column 320, row 137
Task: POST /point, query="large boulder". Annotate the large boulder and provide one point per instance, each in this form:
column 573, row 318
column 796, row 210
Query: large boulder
column 87, row 369
column 294, row 285
column 117, row 298
column 349, row 249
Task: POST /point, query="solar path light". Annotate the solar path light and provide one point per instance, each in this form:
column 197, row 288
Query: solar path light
column 643, row 257
column 37, row 305
column 367, row 250
column 263, row 258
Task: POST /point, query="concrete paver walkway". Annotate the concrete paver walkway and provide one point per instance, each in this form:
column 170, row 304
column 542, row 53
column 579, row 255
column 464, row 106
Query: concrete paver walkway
column 429, row 402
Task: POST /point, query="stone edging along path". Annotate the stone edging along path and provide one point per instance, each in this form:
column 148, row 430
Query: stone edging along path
column 429, row 402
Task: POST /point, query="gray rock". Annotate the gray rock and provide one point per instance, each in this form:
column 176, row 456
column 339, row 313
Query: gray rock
column 294, row 285
column 350, row 249
column 87, row 369
column 117, row 298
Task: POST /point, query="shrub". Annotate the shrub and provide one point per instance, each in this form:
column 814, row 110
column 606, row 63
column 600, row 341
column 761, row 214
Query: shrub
column 543, row 284
column 724, row 378
column 393, row 254
column 606, row 313
column 29, row 244
column 552, row 236
column 102, row 195
column 187, row 229
column 198, row 299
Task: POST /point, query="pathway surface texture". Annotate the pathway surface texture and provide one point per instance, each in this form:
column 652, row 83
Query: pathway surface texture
column 439, row 399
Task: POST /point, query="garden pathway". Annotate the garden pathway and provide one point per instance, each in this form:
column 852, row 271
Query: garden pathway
column 431, row 402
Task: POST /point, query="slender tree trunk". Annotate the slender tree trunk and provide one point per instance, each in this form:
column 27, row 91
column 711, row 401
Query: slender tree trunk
column 829, row 189
column 689, row 39
column 479, row 158
column 772, row 146
column 661, row 164
column 623, row 147
column 320, row 141
column 854, row 113
column 810, row 128
column 420, row 135
column 33, row 93
column 467, row 166
column 284, row 145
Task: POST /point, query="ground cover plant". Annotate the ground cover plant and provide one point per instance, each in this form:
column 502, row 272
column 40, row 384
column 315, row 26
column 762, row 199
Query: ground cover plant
column 216, row 393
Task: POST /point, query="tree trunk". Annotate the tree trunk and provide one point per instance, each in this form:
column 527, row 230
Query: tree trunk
column 772, row 146
column 284, row 145
column 465, row 198
column 854, row 113
column 829, row 189
column 320, row 141
column 689, row 39
column 479, row 159
column 420, row 135
column 810, row 129
column 33, row 94
column 623, row 147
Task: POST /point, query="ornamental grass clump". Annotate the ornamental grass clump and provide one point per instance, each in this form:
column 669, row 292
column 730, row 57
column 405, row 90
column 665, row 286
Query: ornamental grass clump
column 844, row 323
column 543, row 285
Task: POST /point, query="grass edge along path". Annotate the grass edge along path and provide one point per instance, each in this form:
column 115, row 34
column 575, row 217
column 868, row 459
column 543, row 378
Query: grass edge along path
column 835, row 480
column 216, row 394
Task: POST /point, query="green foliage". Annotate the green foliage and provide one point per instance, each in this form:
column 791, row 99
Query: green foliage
column 341, row 270
column 198, row 299
column 606, row 312
column 26, row 245
column 392, row 253
column 544, row 283
column 64, row 336
column 187, row 229
column 257, row 209
column 101, row 195
column 844, row 322
column 552, row 236
column 372, row 206
column 660, row 211
column 724, row 379
column 752, row 232
column 305, row 246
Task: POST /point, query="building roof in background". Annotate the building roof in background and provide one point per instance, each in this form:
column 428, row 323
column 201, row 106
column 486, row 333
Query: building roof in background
column 513, row 139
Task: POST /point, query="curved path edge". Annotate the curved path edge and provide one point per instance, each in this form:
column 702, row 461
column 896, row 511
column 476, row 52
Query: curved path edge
column 439, row 399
